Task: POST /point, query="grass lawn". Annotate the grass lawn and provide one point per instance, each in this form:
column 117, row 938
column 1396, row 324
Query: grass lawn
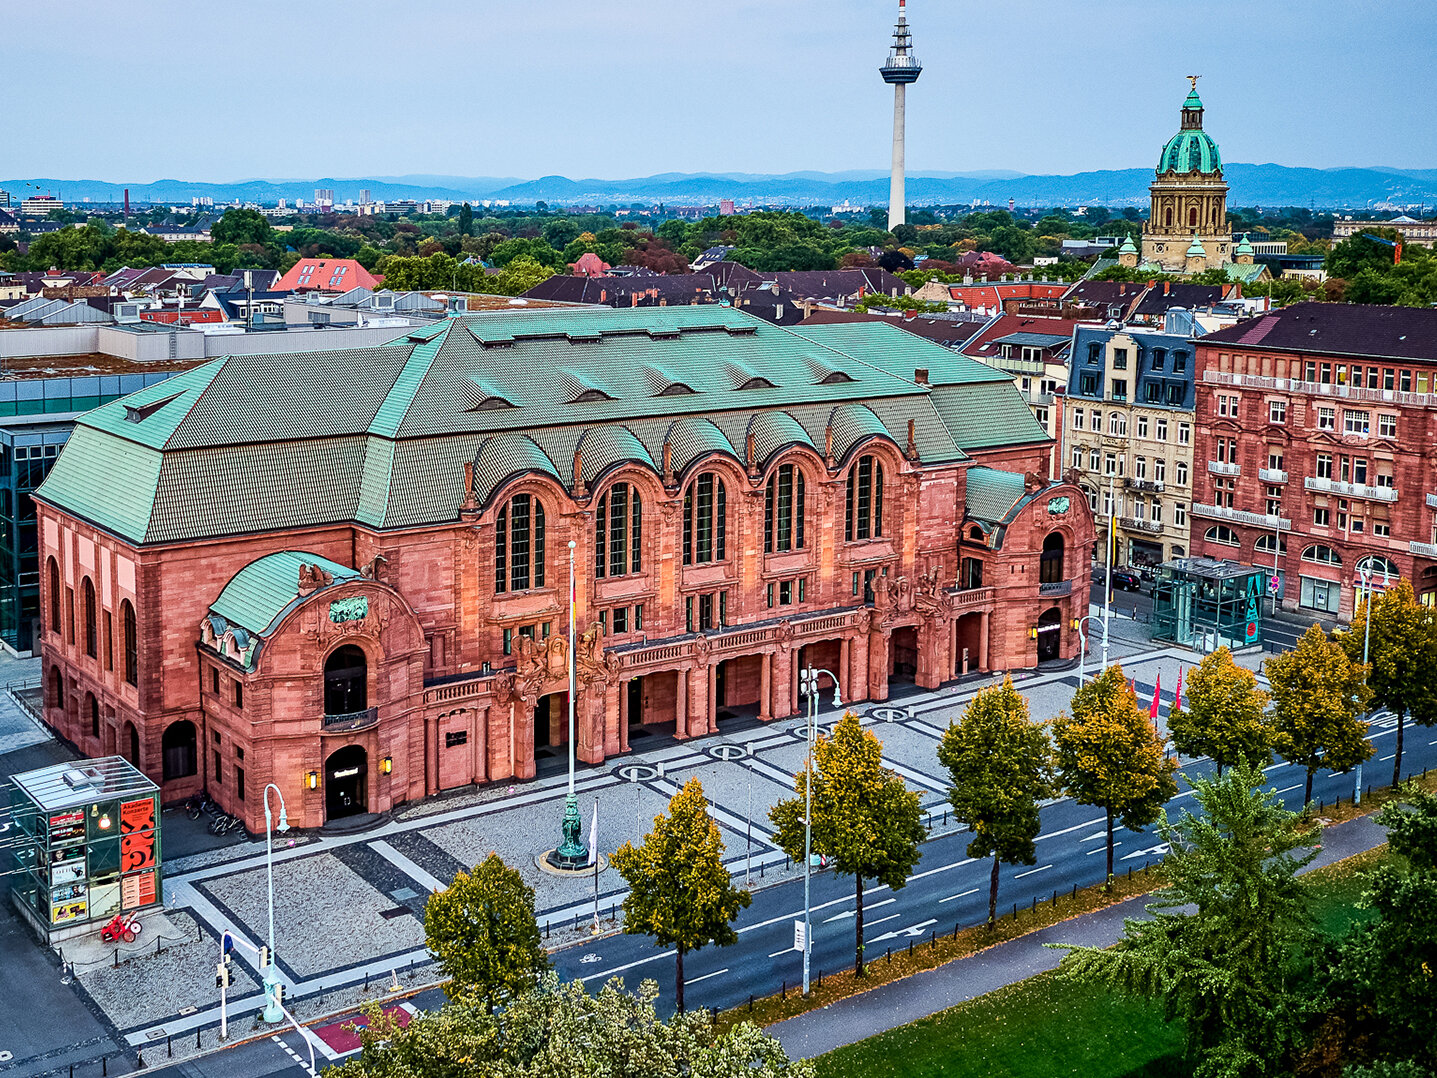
column 1045, row 1027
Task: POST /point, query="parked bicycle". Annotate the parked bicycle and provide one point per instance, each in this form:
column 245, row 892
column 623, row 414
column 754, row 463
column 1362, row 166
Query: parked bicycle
column 201, row 803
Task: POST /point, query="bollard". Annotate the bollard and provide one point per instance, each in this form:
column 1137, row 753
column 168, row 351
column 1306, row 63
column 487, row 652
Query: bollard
column 910, row 948
column 760, row 870
column 197, row 1038
column 932, row 939
column 546, row 929
column 1055, row 899
column 169, row 1047
column 750, row 1002
column 783, row 991
column 955, row 930
column 785, row 862
column 366, row 980
column 890, row 956
column 117, row 958
column 1075, row 892
column 139, row 1060
column 945, row 817
column 104, row 1066
column 1035, row 897
column 72, row 1070
column 1015, row 911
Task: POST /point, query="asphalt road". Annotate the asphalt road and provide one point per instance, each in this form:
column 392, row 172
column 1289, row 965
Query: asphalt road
column 946, row 889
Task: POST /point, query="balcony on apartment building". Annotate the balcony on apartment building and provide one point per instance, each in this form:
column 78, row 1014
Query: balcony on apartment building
column 1152, row 486
column 1242, row 516
column 1320, row 389
column 1423, row 550
column 1152, row 527
column 1272, row 475
column 1350, row 490
column 1222, row 467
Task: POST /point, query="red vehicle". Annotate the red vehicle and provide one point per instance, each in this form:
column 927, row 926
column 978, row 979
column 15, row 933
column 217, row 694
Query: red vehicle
column 121, row 927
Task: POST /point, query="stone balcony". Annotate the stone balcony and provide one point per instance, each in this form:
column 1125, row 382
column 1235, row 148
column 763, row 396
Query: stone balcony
column 1350, row 490
column 1241, row 516
column 1272, row 475
column 1221, row 467
column 351, row 721
column 1423, row 550
column 1432, row 501
column 1152, row 527
column 1056, row 588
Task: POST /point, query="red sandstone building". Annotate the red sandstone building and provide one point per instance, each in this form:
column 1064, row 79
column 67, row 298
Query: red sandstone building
column 1317, row 431
column 346, row 573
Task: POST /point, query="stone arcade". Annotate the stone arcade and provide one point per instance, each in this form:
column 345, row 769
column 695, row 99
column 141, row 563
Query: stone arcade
column 346, row 572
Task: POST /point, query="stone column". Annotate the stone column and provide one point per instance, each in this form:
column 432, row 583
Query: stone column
column 681, row 706
column 765, row 692
column 431, row 755
column 479, row 745
column 858, row 668
column 983, row 661
column 523, row 737
column 845, row 657
column 878, row 646
column 615, row 704
column 589, row 723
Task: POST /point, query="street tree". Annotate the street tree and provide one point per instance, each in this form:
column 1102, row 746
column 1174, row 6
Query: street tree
column 1402, row 653
column 560, row 1029
column 1228, row 932
column 482, row 931
column 1317, row 695
column 865, row 820
column 679, row 890
column 1385, row 977
column 466, row 219
column 1226, row 714
column 1000, row 762
column 1110, row 755
column 240, row 226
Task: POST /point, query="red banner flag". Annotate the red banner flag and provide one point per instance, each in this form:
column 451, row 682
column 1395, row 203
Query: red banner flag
column 1157, row 691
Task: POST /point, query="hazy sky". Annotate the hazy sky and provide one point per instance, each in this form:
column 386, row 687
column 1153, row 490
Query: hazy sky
column 201, row 90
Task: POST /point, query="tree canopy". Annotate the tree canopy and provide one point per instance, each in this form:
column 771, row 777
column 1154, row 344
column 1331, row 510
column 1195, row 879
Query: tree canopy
column 1317, row 695
column 1225, row 716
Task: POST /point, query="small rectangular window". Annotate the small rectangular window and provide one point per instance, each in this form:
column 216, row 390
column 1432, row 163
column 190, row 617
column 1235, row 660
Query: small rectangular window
column 785, row 593
column 239, row 782
column 215, row 681
column 621, row 619
column 219, row 773
column 706, row 611
column 239, row 694
column 109, row 641
column 801, row 581
column 688, row 613
column 508, row 641
column 638, row 617
column 768, row 594
column 454, row 738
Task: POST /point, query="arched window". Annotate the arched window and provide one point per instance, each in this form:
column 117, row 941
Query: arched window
column 1192, row 217
column 1267, row 543
column 1168, row 217
column 1379, row 568
column 1221, row 533
column 177, row 749
column 54, row 596
column 863, row 513
column 1050, row 569
column 1322, row 555
column 91, row 633
column 132, row 644
column 519, row 545
column 346, row 681
column 57, row 688
column 783, row 510
column 705, row 520
column 93, row 707
column 618, row 532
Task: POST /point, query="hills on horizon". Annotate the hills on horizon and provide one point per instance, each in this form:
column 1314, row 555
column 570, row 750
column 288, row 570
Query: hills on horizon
column 1251, row 185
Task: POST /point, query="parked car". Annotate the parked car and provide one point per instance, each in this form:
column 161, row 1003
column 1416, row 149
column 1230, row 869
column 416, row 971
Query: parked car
column 1126, row 580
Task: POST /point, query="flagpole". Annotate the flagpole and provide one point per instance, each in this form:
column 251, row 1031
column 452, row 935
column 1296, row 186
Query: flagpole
column 594, row 856
column 571, row 854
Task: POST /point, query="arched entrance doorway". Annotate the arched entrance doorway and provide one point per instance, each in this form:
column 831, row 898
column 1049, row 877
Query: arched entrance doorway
column 132, row 744
column 346, row 783
column 346, row 681
column 178, row 750
column 1050, row 634
column 903, row 654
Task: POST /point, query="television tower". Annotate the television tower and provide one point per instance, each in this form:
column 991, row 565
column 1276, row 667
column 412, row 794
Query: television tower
column 901, row 69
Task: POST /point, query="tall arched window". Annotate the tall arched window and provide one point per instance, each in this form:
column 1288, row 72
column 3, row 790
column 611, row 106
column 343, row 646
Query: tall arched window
column 519, row 545
column 132, row 644
column 783, row 510
column 618, row 532
column 93, row 707
column 705, row 520
column 57, row 688
column 1192, row 216
column 91, row 632
column 346, row 681
column 863, row 514
column 54, row 596
column 1050, row 568
column 1168, row 217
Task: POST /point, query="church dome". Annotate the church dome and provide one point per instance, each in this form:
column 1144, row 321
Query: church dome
column 1192, row 149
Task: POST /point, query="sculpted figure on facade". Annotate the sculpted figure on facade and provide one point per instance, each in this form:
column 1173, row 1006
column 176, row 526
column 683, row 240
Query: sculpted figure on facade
column 312, row 578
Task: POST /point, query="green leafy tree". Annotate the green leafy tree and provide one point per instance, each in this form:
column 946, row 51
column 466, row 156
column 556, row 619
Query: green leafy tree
column 239, row 226
column 1385, row 976
column 1317, row 694
column 1111, row 756
column 466, row 220
column 1224, row 948
column 1225, row 716
column 1403, row 657
column 679, row 890
column 560, row 1031
column 999, row 760
column 482, row 931
column 865, row 820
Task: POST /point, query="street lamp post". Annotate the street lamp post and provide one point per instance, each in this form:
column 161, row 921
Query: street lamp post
column 572, row 853
column 273, row 1012
column 1112, row 542
column 1365, row 574
column 808, row 683
column 1082, row 645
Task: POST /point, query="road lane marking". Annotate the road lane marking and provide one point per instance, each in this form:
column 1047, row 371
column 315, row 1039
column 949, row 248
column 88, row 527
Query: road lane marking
column 1387, row 757
column 1289, row 789
column 606, row 974
column 1094, row 838
column 1031, row 871
column 786, row 950
column 1103, row 849
column 705, row 977
column 881, row 920
column 965, row 894
column 911, row 931
column 854, row 913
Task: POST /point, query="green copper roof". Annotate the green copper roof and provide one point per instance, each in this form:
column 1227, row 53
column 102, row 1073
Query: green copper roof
column 1193, row 101
column 895, row 350
column 1127, row 247
column 107, row 481
column 264, row 590
column 1190, row 151
column 987, row 414
column 1245, row 247
column 1196, row 249
column 992, row 494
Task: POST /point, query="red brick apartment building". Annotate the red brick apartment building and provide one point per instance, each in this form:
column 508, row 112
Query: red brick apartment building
column 347, row 573
column 1317, row 431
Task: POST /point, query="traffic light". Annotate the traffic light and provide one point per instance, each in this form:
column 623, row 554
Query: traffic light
column 222, row 975
column 264, row 957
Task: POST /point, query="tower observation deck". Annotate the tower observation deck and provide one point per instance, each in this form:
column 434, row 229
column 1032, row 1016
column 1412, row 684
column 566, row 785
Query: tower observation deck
column 901, row 69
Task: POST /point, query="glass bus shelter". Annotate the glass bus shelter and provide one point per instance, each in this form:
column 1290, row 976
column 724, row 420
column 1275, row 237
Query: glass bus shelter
column 1205, row 604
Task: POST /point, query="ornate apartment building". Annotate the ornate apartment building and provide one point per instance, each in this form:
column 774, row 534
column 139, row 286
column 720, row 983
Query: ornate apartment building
column 348, row 573
column 1317, row 435
column 1128, row 438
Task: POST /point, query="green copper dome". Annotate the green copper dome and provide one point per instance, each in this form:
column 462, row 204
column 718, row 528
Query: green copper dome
column 1190, row 151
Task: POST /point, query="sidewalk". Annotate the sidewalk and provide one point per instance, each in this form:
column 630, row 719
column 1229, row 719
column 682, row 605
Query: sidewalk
column 901, row 1002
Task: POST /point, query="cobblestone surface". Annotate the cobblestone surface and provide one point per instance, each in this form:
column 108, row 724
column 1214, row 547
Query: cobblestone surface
column 331, row 915
column 149, row 987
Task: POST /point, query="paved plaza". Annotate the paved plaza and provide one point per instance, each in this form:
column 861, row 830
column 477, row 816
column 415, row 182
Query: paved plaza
column 349, row 907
